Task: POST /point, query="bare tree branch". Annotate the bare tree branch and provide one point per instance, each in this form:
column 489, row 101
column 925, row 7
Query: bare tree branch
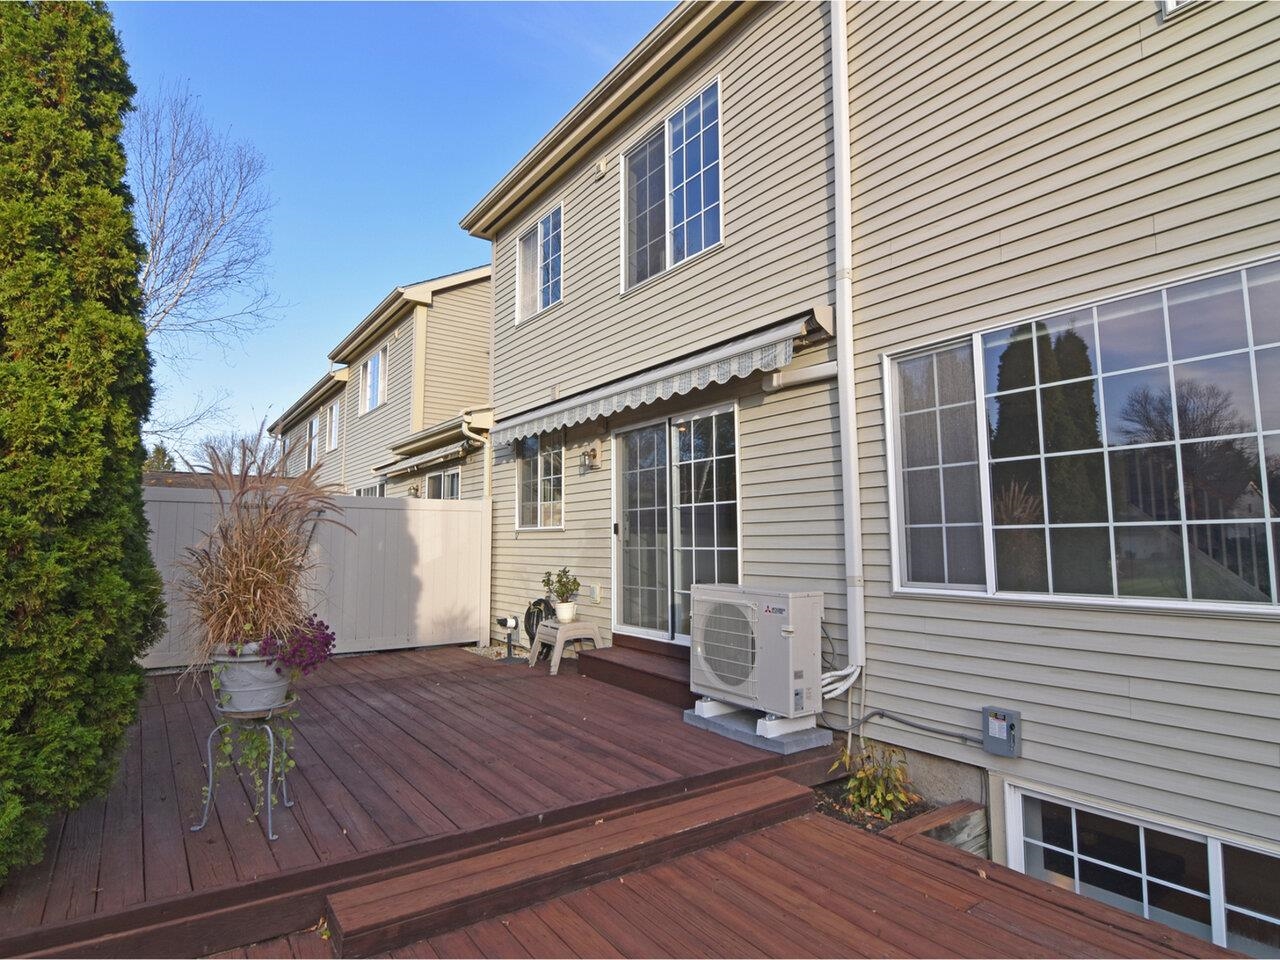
column 202, row 210
column 177, row 431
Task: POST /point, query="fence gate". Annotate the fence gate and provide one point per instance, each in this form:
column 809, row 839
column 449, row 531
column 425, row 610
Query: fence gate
column 410, row 573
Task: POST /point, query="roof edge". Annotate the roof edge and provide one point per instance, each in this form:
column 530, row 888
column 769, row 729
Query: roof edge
column 329, row 384
column 376, row 321
column 684, row 32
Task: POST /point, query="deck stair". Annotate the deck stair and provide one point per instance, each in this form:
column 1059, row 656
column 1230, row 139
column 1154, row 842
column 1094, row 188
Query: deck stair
column 390, row 913
column 657, row 670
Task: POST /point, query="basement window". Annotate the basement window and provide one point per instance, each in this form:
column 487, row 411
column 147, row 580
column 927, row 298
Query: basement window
column 1203, row 885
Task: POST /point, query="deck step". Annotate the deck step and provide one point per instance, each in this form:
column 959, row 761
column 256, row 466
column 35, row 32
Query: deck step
column 653, row 675
column 391, row 913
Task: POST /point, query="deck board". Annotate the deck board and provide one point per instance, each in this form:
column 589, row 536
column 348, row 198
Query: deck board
column 395, row 752
column 760, row 894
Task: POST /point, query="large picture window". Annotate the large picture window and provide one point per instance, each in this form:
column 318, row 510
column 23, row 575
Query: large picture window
column 1202, row 885
column 540, row 484
column 673, row 189
column 1129, row 449
column 540, row 265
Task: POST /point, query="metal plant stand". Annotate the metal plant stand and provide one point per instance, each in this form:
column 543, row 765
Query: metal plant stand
column 262, row 718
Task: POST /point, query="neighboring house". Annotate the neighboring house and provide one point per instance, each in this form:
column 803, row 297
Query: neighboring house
column 405, row 409
column 311, row 429
column 1053, row 232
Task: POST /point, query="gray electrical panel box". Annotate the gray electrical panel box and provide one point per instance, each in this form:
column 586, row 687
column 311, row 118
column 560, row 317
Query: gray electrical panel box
column 1002, row 731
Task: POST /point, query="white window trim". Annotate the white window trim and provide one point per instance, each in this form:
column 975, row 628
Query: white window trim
column 520, row 235
column 1225, row 609
column 383, row 353
column 669, row 112
column 1168, row 8
column 313, row 440
column 378, row 489
column 333, row 424
column 442, row 474
column 1015, row 852
column 563, row 496
column 614, row 559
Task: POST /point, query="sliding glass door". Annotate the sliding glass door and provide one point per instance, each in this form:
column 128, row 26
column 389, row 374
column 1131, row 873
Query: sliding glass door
column 644, row 595
column 676, row 512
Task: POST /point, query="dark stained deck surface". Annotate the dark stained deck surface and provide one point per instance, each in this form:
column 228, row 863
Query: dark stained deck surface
column 810, row 887
column 392, row 750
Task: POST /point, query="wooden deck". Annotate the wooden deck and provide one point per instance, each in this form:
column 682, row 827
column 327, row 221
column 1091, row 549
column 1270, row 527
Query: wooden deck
column 814, row 887
column 809, row 887
column 401, row 757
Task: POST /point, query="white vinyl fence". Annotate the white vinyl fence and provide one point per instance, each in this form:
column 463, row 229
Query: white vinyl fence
column 410, row 573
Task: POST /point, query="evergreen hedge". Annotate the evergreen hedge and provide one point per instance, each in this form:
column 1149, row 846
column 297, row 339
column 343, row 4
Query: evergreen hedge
column 79, row 596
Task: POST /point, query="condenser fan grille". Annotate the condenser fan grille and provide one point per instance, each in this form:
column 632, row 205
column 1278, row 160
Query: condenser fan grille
column 727, row 636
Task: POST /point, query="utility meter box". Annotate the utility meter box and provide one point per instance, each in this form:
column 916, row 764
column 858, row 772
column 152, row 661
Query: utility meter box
column 1002, row 731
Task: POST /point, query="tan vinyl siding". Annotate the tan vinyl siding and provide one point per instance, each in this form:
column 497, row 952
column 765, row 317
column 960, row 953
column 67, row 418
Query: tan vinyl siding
column 369, row 436
column 1010, row 159
column 459, row 322
column 473, row 476
column 330, row 473
column 790, row 502
column 776, row 256
column 471, row 479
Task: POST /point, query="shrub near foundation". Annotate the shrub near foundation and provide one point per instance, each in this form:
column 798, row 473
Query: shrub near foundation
column 79, row 595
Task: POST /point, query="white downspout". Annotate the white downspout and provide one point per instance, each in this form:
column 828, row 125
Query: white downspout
column 854, row 582
column 483, row 440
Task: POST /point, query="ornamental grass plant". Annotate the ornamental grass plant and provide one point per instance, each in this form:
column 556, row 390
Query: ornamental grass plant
column 248, row 580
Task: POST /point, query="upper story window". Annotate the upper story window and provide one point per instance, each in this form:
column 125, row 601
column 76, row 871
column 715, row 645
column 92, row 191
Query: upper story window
column 540, row 484
column 540, row 264
column 1129, row 449
column 444, row 485
column 335, row 415
column 313, row 441
column 673, row 189
column 373, row 380
column 1169, row 7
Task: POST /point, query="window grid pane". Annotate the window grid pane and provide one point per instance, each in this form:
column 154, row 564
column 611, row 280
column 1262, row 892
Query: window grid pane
column 942, row 529
column 695, row 175
column 1144, row 417
column 646, row 249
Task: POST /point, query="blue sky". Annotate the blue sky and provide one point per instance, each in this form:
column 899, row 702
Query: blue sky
column 382, row 124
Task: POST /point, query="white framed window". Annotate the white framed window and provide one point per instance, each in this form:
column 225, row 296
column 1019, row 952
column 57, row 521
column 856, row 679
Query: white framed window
column 373, row 380
column 1169, row 7
column 378, row 489
column 539, row 485
column 672, row 179
column 334, row 425
column 313, row 441
column 1204, row 885
column 443, row 485
column 539, row 253
column 1127, row 450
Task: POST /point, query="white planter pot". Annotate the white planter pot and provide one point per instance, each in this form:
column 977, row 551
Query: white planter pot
column 248, row 683
column 566, row 612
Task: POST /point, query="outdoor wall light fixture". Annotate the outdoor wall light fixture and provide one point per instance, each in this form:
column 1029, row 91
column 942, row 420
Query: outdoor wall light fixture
column 590, row 459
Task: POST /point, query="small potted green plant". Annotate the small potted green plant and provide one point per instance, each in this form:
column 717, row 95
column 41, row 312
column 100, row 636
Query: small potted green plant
column 564, row 587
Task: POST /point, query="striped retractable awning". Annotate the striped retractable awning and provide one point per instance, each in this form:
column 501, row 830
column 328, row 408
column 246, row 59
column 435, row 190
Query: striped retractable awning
column 769, row 349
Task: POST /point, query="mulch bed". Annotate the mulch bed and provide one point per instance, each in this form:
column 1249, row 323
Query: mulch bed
column 831, row 803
